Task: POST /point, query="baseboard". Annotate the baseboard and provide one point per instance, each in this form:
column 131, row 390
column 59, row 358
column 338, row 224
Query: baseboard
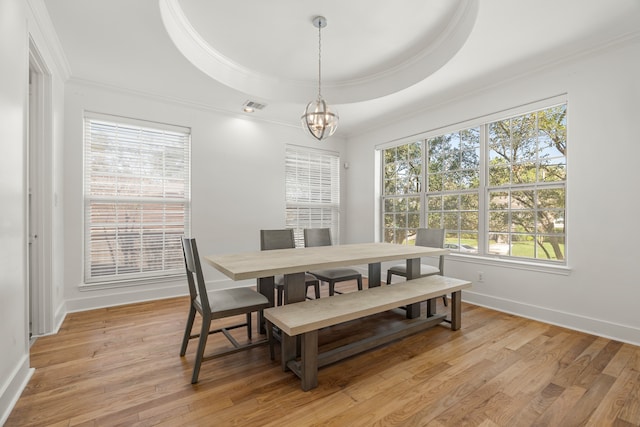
column 59, row 317
column 13, row 388
column 576, row 322
column 133, row 294
column 121, row 296
column 591, row 325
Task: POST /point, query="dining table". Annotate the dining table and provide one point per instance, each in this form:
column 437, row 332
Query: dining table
column 293, row 263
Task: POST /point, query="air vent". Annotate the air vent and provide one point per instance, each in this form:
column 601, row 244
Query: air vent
column 251, row 106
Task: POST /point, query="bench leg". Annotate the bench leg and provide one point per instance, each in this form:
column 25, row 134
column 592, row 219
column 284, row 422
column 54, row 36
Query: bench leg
column 456, row 310
column 288, row 349
column 309, row 371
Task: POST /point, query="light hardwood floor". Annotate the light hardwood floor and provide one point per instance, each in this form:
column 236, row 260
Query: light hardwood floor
column 120, row 366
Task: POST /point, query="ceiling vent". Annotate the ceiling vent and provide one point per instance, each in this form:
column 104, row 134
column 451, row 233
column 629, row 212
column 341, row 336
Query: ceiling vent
column 251, row 106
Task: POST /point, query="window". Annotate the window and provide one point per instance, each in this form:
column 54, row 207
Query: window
column 312, row 185
column 497, row 189
column 454, row 181
column 137, row 198
column 526, row 184
column 402, row 186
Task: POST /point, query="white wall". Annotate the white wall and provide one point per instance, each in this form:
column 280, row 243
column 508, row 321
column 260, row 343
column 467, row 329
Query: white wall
column 600, row 292
column 14, row 328
column 20, row 21
column 237, row 184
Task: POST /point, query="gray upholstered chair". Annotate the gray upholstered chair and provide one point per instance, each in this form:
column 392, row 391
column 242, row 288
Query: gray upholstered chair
column 215, row 304
column 284, row 239
column 322, row 237
column 430, row 237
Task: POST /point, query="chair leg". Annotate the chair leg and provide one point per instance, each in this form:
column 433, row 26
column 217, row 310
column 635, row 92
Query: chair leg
column 187, row 331
column 316, row 288
column 249, row 325
column 359, row 279
column 332, row 288
column 388, row 277
column 444, row 298
column 202, row 342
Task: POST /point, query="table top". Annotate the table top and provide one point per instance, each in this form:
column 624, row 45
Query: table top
column 252, row 265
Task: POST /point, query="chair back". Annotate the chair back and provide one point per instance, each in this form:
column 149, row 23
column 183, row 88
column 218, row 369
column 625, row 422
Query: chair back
column 193, row 267
column 277, row 239
column 430, row 237
column 317, row 237
column 433, row 238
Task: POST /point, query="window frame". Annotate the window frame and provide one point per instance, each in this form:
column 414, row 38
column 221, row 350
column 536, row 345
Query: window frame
column 171, row 263
column 483, row 190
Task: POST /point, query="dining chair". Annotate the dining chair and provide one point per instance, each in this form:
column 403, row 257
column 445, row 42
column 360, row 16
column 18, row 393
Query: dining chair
column 430, row 237
column 216, row 304
column 322, row 237
column 284, row 239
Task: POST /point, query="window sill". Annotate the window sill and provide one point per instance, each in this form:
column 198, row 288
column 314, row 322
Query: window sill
column 127, row 283
column 511, row 263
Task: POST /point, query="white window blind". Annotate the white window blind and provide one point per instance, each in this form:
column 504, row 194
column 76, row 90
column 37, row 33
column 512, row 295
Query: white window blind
column 312, row 182
column 137, row 198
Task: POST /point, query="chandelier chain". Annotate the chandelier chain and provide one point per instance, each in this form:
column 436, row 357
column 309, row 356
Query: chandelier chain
column 319, row 61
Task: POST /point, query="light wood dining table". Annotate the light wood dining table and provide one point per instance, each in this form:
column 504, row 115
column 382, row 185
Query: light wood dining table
column 293, row 263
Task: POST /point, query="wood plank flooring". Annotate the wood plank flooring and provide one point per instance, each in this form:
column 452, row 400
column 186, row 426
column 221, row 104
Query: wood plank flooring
column 120, row 366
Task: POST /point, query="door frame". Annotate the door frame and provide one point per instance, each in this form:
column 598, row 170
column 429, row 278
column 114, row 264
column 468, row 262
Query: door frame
column 40, row 197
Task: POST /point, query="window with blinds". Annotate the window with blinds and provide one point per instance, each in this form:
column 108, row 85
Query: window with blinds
column 312, row 183
column 137, row 198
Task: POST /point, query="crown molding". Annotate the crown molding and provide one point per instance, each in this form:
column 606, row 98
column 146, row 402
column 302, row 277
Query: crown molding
column 44, row 35
column 172, row 100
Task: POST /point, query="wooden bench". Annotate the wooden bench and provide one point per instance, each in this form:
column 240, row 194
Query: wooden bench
column 304, row 319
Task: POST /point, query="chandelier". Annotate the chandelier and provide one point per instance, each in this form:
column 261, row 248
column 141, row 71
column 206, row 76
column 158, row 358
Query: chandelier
column 318, row 119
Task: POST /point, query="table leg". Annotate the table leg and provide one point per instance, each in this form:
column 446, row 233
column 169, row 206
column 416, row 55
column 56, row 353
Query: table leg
column 413, row 272
column 270, row 339
column 413, row 311
column 431, row 307
column 456, row 310
column 265, row 286
column 295, row 290
column 309, row 365
column 413, row 268
column 374, row 277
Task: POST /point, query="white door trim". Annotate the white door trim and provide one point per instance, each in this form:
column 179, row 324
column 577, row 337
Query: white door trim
column 40, row 182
